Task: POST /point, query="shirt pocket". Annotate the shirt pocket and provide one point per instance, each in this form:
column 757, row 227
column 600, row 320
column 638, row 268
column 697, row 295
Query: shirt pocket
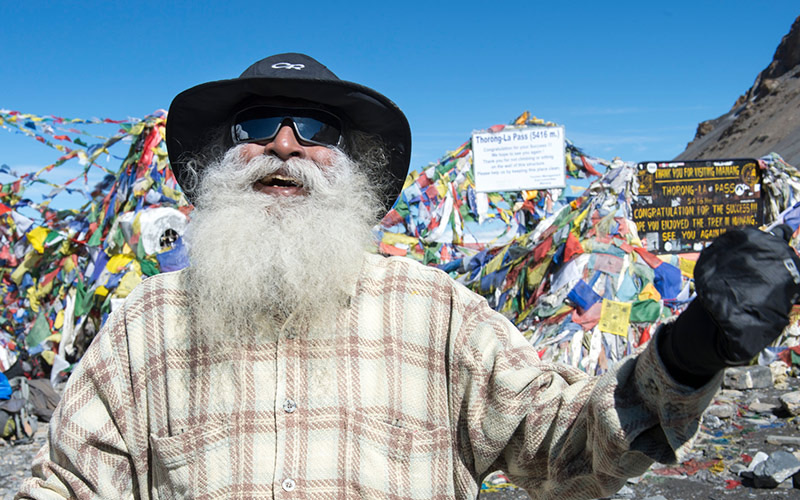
column 394, row 461
column 195, row 462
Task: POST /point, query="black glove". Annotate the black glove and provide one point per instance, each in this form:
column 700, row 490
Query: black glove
column 746, row 282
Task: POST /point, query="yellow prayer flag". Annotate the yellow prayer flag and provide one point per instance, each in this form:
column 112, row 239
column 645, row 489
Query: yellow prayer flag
column 536, row 274
column 101, row 291
column 137, row 129
column 137, row 223
column 576, row 222
column 615, row 317
column 649, row 292
column 33, row 300
column 570, row 164
column 48, row 356
column 495, row 198
column 30, row 261
column 395, row 238
column 170, row 193
column 59, row 321
column 127, row 284
column 410, row 179
column 495, row 263
column 117, row 262
column 56, row 337
column 69, row 265
column 44, row 290
column 441, row 187
column 37, row 236
column 687, row 267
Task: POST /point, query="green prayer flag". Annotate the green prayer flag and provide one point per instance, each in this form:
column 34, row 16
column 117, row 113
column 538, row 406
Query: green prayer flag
column 92, row 217
column 105, row 307
column 645, row 311
column 140, row 253
column 795, row 358
column 402, row 208
column 51, row 236
column 149, row 268
column 443, row 168
column 82, row 303
column 96, row 238
column 39, row 332
column 119, row 238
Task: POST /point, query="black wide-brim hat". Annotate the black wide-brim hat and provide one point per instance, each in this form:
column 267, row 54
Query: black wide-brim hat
column 195, row 113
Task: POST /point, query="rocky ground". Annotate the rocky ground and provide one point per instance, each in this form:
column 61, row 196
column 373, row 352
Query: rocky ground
column 15, row 462
column 742, row 426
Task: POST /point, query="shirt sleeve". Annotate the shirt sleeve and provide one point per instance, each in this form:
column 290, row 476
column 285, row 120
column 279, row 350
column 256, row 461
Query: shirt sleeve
column 554, row 430
column 88, row 453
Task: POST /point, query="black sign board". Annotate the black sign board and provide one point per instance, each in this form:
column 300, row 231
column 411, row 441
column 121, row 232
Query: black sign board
column 683, row 206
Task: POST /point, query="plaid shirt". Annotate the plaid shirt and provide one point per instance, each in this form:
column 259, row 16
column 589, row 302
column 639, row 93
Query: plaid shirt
column 421, row 392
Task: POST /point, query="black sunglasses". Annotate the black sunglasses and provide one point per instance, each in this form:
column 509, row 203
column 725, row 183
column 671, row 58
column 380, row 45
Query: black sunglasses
column 262, row 124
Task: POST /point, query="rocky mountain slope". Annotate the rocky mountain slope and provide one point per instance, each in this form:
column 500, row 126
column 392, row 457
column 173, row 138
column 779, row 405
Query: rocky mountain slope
column 765, row 119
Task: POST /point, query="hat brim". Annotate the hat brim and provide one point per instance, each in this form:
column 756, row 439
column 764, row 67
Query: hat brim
column 199, row 110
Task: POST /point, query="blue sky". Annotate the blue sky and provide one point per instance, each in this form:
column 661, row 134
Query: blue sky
column 627, row 79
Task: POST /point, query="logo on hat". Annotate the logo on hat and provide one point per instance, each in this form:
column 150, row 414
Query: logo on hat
column 286, row 65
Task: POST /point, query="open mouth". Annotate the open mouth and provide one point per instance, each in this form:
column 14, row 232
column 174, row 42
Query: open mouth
column 279, row 180
column 279, row 184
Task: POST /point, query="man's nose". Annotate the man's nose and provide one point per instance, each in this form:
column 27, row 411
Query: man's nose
column 285, row 145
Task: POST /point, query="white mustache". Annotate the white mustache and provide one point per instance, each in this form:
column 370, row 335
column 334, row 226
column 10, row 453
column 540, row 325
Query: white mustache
column 304, row 172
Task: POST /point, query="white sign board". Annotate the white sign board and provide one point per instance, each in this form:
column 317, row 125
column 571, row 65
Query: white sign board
column 515, row 159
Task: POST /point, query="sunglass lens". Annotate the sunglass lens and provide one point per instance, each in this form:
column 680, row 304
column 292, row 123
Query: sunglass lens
column 256, row 129
column 317, row 131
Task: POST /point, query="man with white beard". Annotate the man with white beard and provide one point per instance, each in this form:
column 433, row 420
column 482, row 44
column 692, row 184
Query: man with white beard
column 287, row 362
column 300, row 249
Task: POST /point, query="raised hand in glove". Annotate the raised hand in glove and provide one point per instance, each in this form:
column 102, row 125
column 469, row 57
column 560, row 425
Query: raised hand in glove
column 746, row 282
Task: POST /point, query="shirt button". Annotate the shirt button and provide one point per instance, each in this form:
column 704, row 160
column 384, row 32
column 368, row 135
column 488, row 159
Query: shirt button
column 289, row 406
column 288, row 484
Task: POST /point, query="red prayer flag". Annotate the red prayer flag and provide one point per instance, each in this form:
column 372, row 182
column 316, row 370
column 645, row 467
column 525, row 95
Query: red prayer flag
column 572, row 247
column 541, row 249
column 392, row 250
column 651, row 259
column 645, row 336
column 153, row 138
column 49, row 276
column 588, row 167
column 392, row 218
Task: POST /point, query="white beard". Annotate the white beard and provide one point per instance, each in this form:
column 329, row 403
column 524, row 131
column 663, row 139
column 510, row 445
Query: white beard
column 260, row 263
